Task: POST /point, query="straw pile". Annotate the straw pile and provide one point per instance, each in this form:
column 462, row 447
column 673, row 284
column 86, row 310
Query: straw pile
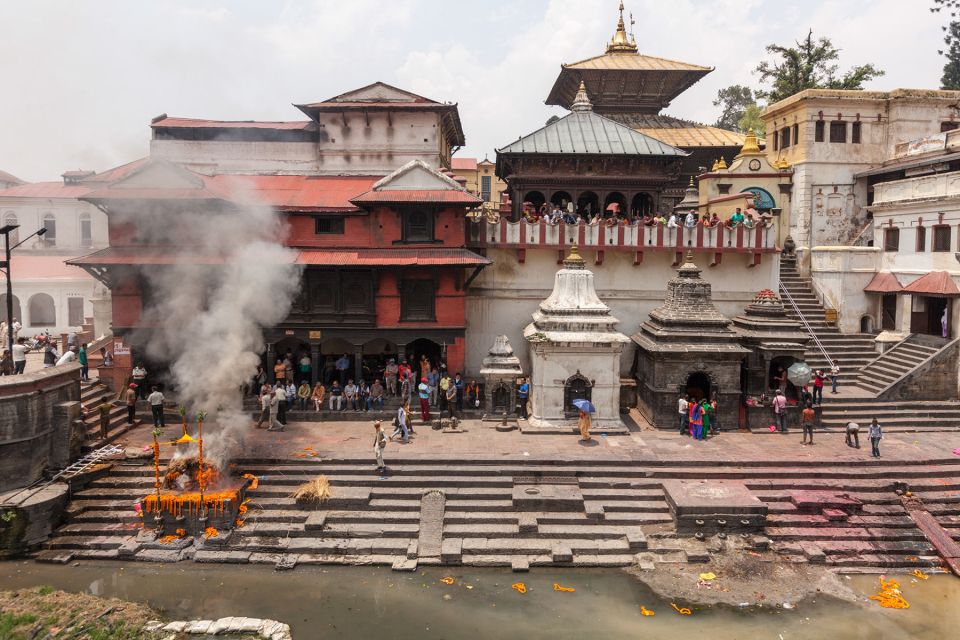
column 314, row 492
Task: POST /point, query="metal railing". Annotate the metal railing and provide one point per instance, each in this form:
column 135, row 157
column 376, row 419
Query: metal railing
column 806, row 324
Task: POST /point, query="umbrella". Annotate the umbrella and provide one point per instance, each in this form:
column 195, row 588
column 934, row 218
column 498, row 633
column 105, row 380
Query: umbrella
column 584, row 405
column 799, row 373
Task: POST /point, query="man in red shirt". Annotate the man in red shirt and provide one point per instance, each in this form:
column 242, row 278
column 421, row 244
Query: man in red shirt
column 818, row 380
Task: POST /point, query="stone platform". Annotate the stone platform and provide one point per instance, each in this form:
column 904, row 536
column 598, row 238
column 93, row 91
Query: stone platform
column 714, row 506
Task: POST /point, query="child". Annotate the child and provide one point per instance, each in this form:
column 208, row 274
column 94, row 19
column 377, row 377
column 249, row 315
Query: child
column 806, row 421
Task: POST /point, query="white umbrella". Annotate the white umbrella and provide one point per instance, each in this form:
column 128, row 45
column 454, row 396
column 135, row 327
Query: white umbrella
column 799, row 373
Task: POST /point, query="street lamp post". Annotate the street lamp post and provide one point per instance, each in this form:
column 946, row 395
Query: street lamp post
column 6, row 230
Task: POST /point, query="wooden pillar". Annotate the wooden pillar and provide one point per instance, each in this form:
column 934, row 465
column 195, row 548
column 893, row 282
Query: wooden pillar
column 271, row 361
column 357, row 363
column 315, row 369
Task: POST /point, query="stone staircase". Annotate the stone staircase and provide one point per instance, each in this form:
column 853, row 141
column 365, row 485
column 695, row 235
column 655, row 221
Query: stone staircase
column 895, row 363
column 850, row 351
column 92, row 395
column 583, row 513
column 898, row 415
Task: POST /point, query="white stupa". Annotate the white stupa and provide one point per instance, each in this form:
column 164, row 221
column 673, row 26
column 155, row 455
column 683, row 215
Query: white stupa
column 575, row 352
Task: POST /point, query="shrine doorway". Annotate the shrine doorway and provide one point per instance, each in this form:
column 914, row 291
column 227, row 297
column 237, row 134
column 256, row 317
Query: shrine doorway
column 500, row 399
column 421, row 349
column 588, row 204
column 698, row 386
column 642, row 204
column 577, row 387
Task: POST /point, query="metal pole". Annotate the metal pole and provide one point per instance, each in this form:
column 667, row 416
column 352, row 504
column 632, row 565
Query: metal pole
column 9, row 297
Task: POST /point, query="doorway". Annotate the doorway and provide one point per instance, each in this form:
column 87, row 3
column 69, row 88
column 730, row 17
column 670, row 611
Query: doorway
column 931, row 316
column 888, row 312
column 423, row 353
column 698, row 386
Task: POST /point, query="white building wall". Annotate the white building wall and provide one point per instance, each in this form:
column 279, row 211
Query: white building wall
column 505, row 295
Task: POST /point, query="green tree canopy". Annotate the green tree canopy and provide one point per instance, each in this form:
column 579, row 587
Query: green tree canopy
column 951, row 68
column 811, row 64
column 751, row 120
column 733, row 101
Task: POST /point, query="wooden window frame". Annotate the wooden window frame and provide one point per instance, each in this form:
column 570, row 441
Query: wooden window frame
column 406, row 237
column 891, row 239
column 819, row 129
column 408, row 291
column 856, row 132
column 838, row 125
column 335, row 225
column 795, row 134
column 939, row 247
column 785, row 140
column 921, row 245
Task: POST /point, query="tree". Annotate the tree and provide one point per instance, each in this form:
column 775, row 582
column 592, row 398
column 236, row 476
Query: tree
column 751, row 120
column 812, row 64
column 951, row 69
column 734, row 101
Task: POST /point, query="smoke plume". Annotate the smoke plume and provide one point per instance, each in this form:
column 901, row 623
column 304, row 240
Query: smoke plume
column 232, row 276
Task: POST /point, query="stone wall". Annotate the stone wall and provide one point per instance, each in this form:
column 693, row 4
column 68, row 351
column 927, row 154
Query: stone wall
column 935, row 379
column 30, row 438
column 840, row 274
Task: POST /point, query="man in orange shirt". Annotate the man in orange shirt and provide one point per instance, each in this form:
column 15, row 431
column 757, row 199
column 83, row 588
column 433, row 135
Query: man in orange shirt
column 806, row 421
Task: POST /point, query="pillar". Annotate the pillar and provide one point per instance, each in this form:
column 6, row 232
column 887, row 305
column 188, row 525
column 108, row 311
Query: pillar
column 315, row 371
column 271, row 361
column 102, row 304
column 357, row 362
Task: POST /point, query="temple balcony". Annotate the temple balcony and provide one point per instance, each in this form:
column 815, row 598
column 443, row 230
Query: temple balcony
column 523, row 235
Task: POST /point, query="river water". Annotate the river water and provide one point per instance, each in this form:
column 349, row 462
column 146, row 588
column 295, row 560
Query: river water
column 354, row 603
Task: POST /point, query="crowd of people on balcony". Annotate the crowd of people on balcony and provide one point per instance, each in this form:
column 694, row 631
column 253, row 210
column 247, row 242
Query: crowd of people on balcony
column 615, row 216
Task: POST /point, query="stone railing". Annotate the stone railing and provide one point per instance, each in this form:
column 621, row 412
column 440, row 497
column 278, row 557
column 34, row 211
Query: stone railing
column 624, row 237
column 933, row 187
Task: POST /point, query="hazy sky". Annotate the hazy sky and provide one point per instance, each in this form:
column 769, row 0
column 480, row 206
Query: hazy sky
column 83, row 78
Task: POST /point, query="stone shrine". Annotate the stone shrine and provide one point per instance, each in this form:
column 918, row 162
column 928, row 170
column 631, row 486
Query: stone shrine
column 575, row 352
column 687, row 347
column 500, row 371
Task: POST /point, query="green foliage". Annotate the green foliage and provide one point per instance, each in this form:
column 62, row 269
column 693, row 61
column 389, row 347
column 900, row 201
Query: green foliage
column 951, row 68
column 811, row 64
column 733, row 101
column 45, row 590
column 10, row 622
column 751, row 120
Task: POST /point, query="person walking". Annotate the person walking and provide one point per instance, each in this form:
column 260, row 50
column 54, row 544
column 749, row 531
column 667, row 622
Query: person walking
column 780, row 411
column 853, row 435
column 259, row 379
column 303, row 394
column 875, row 433
column 818, row 380
column 379, row 442
column 696, row 420
column 714, row 413
column 400, row 424
column 336, row 397
column 523, row 394
column 683, row 409
column 131, row 397
column 319, row 391
column 106, row 406
column 279, row 405
column 423, row 391
column 266, row 400
column 834, row 375
column 583, row 422
column 806, row 423
column 84, row 364
column 433, row 381
column 156, row 407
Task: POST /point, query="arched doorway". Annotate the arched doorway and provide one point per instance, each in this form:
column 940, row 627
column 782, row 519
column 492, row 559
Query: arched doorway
column 422, row 353
column 561, row 198
column 866, row 324
column 698, row 386
column 42, row 311
column 588, row 204
column 330, row 351
column 642, row 204
column 17, row 316
column 779, row 366
column 535, row 198
column 615, row 204
column 376, row 353
column 500, row 399
column 577, row 387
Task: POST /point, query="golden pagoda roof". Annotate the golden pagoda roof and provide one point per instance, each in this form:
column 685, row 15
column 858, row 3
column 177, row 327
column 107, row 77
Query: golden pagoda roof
column 695, row 136
column 634, row 62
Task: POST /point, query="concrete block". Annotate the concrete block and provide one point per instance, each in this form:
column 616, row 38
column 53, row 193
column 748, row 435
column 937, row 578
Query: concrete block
column 527, row 523
column 561, row 553
column 316, row 521
column 813, row 553
column 226, row 557
column 129, row 548
column 451, row 551
column 520, row 564
column 636, row 540
column 760, row 543
column 594, row 511
column 405, row 564
column 412, row 549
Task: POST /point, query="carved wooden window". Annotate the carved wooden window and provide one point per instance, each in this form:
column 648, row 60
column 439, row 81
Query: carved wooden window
column 891, row 239
column 577, row 387
column 796, row 134
column 941, row 237
column 328, row 225
column 418, row 226
column 417, row 300
column 818, row 131
column 785, row 137
column 921, row 239
column 838, row 131
column 855, row 132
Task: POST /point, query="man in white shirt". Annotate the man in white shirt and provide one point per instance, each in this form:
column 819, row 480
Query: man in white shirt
column 350, row 395
column 280, row 412
column 156, row 406
column 683, row 408
column 139, row 375
column 19, row 356
column 68, row 357
column 780, row 411
column 672, row 222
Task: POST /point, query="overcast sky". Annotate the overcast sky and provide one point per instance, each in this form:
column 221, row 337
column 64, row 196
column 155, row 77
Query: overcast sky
column 82, row 79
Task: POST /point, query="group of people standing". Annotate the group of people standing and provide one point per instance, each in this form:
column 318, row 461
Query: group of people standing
column 556, row 214
column 698, row 418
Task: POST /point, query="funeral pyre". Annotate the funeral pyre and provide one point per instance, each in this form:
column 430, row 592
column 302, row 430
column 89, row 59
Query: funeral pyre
column 193, row 496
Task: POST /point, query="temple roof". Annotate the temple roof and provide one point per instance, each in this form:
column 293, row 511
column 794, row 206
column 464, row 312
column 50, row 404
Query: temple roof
column 584, row 132
column 766, row 320
column 624, row 80
column 935, row 283
column 501, row 360
column 678, row 132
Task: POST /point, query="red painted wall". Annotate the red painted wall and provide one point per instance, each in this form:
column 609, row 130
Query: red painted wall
column 379, row 229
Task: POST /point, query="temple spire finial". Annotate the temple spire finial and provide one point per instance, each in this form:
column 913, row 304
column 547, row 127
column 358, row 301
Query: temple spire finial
column 751, row 145
column 574, row 260
column 581, row 102
column 621, row 43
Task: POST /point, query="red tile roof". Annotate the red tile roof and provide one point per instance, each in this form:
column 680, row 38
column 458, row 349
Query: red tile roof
column 884, row 282
column 9, row 177
column 46, row 190
column 320, row 257
column 935, row 283
column 439, row 196
column 201, row 123
column 392, row 257
column 30, row 267
column 296, row 193
column 463, row 164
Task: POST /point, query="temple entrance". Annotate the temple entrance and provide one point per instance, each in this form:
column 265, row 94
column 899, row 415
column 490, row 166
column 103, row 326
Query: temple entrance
column 533, row 199
column 501, row 399
column 577, row 387
column 17, row 317
column 888, row 312
column 642, row 204
column 423, row 353
column 698, row 386
column 778, row 367
column 931, row 316
column 292, row 349
column 588, row 204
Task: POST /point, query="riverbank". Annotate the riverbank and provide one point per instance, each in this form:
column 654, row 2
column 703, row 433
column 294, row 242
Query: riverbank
column 45, row 612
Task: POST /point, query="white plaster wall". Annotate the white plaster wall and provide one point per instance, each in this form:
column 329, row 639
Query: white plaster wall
column 59, row 290
column 841, row 273
column 211, row 156
column 67, row 213
column 554, row 364
column 505, row 295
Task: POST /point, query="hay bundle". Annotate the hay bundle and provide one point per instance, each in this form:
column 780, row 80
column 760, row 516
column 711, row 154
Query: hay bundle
column 312, row 493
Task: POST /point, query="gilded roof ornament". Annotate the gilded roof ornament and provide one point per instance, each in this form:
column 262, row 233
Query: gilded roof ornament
column 782, row 164
column 581, row 102
column 621, row 43
column 721, row 164
column 751, row 145
column 574, row 260
column 715, row 166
